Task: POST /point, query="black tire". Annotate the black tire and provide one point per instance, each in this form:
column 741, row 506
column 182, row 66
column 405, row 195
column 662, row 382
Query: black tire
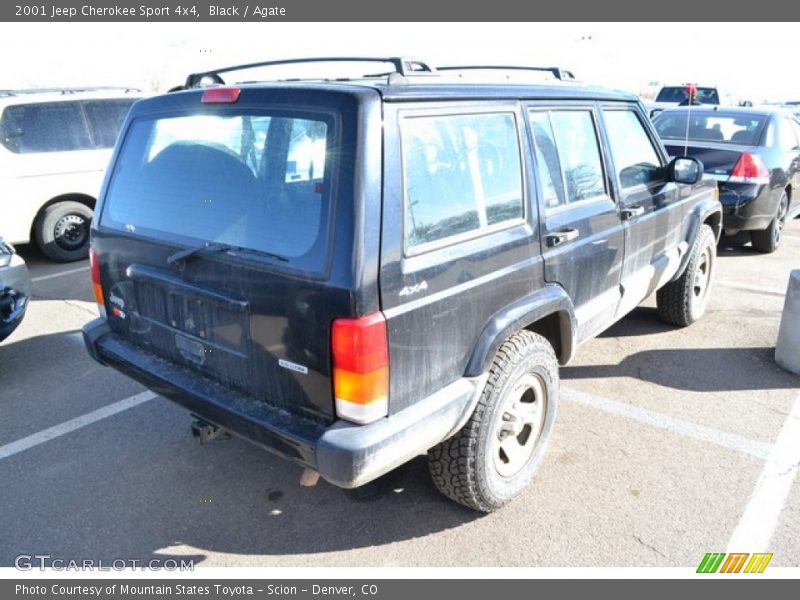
column 768, row 240
column 465, row 467
column 683, row 301
column 62, row 231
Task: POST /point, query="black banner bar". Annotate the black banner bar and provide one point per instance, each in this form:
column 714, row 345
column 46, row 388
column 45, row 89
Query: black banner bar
column 398, row 11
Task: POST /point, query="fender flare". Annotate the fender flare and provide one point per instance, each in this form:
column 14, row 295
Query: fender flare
column 552, row 299
column 700, row 213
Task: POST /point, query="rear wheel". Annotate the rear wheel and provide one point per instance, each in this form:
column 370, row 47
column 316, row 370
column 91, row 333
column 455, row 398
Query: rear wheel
column 683, row 301
column 770, row 238
column 497, row 453
column 62, row 231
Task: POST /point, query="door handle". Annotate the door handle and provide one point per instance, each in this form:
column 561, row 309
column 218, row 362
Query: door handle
column 631, row 211
column 559, row 237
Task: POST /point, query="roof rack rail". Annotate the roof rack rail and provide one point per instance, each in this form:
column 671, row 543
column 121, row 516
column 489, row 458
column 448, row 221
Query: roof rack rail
column 403, row 66
column 557, row 72
column 68, row 90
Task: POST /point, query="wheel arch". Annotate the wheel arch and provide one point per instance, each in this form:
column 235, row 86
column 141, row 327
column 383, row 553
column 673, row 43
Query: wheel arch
column 548, row 312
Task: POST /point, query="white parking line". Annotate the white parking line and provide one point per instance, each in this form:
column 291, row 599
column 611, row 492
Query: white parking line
column 69, row 426
column 687, row 428
column 750, row 288
column 59, row 274
column 764, row 508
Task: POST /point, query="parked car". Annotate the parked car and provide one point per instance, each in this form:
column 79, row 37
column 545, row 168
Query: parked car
column 15, row 289
column 54, row 147
column 669, row 96
column 410, row 284
column 754, row 154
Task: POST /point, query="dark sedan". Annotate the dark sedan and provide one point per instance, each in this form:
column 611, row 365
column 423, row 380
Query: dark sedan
column 753, row 153
column 15, row 287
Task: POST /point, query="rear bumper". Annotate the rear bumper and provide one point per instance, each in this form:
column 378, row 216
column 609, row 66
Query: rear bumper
column 15, row 289
column 746, row 207
column 344, row 454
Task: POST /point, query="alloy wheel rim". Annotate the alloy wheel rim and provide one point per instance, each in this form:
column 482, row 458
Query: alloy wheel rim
column 702, row 276
column 780, row 221
column 520, row 425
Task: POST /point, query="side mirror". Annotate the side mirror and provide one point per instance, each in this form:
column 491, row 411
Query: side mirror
column 685, row 169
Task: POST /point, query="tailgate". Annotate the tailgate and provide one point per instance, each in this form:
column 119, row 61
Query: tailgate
column 243, row 197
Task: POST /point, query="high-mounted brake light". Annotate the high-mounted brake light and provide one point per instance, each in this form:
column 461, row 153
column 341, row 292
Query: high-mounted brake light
column 749, row 169
column 96, row 286
column 360, row 350
column 221, row 96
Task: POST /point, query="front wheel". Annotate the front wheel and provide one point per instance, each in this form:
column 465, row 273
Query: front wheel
column 683, row 301
column 497, row 453
column 62, row 231
column 769, row 239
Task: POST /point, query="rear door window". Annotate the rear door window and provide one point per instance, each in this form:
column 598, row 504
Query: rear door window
column 462, row 174
column 579, row 153
column 44, row 127
column 257, row 181
column 105, row 119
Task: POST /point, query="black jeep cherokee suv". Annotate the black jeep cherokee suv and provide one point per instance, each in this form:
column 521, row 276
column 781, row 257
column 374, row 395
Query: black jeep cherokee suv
column 354, row 272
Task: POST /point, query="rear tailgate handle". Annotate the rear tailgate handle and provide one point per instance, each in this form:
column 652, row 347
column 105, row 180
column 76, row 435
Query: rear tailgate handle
column 631, row 211
column 559, row 237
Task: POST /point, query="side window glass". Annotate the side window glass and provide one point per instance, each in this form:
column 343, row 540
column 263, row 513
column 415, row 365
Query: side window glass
column 635, row 159
column 579, row 153
column 547, row 163
column 105, row 119
column 45, row 127
column 462, row 173
column 786, row 137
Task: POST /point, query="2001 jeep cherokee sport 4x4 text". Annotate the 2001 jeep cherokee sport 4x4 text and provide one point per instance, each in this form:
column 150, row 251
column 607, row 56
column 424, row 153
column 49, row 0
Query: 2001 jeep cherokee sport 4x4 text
column 351, row 273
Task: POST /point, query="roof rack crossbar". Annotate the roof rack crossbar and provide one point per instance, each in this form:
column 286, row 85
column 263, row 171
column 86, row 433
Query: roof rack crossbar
column 557, row 72
column 67, row 90
column 403, row 66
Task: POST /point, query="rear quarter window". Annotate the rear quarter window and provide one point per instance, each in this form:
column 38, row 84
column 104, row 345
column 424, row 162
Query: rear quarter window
column 105, row 119
column 462, row 176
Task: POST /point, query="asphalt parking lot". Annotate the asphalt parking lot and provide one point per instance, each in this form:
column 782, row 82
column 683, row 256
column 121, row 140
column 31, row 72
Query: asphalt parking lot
column 669, row 444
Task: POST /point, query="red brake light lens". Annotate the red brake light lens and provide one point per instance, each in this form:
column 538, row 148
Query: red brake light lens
column 96, row 286
column 360, row 352
column 221, row 96
column 749, row 168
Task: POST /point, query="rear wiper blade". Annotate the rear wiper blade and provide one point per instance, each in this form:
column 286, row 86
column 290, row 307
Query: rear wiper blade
column 211, row 247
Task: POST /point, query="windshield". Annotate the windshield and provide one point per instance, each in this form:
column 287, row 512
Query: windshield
column 257, row 181
column 677, row 94
column 707, row 126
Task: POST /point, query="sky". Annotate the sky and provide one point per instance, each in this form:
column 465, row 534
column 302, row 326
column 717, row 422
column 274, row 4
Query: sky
column 746, row 60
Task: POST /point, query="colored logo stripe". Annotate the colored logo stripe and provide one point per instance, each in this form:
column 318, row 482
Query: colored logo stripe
column 733, row 564
column 758, row 563
column 711, row 562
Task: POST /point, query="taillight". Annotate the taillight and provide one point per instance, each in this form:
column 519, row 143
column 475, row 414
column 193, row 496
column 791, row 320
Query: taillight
column 360, row 351
column 221, row 96
column 749, row 169
column 98, row 289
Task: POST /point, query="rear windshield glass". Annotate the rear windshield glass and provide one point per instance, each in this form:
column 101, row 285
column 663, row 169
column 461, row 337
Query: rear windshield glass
column 707, row 126
column 678, row 93
column 257, row 181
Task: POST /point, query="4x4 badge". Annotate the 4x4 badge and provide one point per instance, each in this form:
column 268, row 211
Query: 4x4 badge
column 413, row 289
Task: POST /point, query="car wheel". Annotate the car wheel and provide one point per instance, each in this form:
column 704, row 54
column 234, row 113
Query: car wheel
column 769, row 239
column 62, row 231
column 497, row 453
column 683, row 301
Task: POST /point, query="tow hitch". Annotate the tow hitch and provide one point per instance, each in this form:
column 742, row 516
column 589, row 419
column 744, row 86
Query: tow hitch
column 206, row 432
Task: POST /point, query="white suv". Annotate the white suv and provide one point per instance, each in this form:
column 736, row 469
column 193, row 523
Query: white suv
column 54, row 147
